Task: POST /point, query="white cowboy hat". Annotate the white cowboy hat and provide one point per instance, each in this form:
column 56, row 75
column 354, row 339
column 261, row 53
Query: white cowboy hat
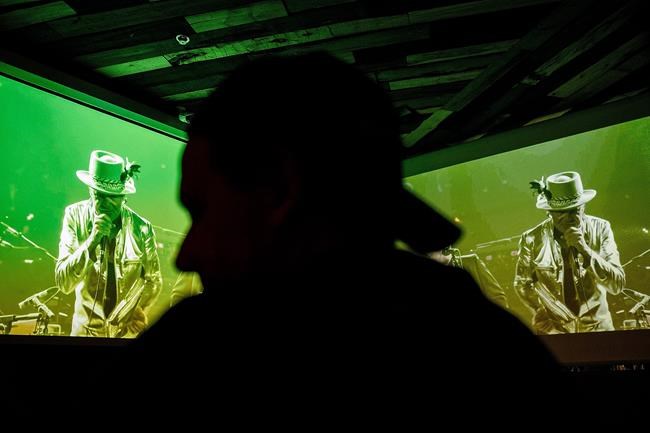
column 107, row 173
column 563, row 191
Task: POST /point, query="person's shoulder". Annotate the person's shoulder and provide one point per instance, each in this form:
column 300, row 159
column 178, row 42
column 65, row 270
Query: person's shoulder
column 182, row 325
column 426, row 282
column 138, row 220
column 540, row 227
column 594, row 220
column 77, row 207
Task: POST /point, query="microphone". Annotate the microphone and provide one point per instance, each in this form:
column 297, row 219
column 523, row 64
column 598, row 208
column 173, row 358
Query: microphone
column 35, row 298
column 11, row 230
column 639, row 305
column 102, row 248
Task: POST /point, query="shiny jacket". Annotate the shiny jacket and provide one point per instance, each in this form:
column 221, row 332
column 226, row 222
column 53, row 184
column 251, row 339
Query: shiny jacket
column 136, row 261
column 540, row 262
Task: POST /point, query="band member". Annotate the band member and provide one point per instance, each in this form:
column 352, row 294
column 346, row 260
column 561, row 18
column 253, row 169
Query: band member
column 107, row 253
column 568, row 263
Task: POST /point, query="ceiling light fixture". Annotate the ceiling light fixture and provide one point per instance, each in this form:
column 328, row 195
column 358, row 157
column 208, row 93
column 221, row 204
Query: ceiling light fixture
column 182, row 39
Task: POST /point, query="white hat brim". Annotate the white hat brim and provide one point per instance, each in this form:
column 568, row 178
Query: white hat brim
column 86, row 178
column 587, row 195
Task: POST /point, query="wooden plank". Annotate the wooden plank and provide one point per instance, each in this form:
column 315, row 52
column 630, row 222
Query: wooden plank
column 33, row 15
column 126, row 46
column 4, row 3
column 132, row 53
column 134, row 15
column 367, row 40
column 530, row 42
column 438, row 68
column 461, row 52
column 135, row 67
column 427, row 92
column 208, row 49
column 254, row 12
column 607, row 79
column 163, row 31
column 585, row 77
column 513, row 103
column 186, row 72
column 125, row 37
column 250, row 45
column 424, row 102
column 426, row 127
column 184, row 86
column 429, row 110
column 169, row 48
column 471, row 8
column 433, row 80
column 597, row 34
column 516, row 55
column 193, row 95
column 635, row 62
column 345, row 56
column 301, row 5
column 302, row 42
column 368, row 25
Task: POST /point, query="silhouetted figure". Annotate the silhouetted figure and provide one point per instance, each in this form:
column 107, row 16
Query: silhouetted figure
column 292, row 176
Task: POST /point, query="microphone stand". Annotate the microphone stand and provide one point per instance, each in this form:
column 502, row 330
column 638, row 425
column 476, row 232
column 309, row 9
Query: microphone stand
column 45, row 314
column 169, row 231
column 15, row 232
column 638, row 312
column 635, row 258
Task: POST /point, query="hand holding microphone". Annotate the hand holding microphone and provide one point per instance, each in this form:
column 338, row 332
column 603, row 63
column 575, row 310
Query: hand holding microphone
column 102, row 227
column 575, row 238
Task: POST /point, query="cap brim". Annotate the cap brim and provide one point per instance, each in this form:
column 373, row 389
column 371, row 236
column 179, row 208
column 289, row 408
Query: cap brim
column 421, row 227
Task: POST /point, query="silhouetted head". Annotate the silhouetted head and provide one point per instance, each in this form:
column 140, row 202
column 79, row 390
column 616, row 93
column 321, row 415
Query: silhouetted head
column 290, row 156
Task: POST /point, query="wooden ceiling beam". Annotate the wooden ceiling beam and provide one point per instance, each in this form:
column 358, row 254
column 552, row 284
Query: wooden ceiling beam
column 140, row 14
column 184, row 86
column 438, row 68
column 211, row 48
column 186, row 72
column 34, row 15
column 460, row 52
column 220, row 48
column 232, row 17
column 593, row 37
column 434, row 80
column 608, row 70
column 465, row 9
column 511, row 61
column 295, row 6
column 5, row 3
column 589, row 40
column 124, row 52
column 194, row 96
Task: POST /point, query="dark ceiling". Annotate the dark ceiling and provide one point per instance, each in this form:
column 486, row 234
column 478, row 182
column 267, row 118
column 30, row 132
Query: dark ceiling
column 457, row 70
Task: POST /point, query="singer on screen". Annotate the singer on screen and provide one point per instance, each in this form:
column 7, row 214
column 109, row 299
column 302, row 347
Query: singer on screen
column 568, row 263
column 107, row 253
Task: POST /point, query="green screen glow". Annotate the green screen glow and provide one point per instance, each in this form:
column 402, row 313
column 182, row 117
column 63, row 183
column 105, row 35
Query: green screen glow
column 491, row 200
column 45, row 140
